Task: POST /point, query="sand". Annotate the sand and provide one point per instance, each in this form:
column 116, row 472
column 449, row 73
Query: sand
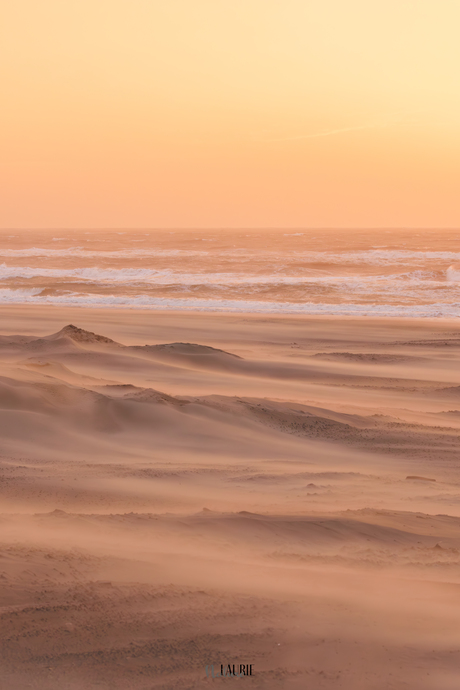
column 186, row 490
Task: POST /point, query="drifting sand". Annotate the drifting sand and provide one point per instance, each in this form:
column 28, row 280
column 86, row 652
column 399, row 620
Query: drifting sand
column 181, row 490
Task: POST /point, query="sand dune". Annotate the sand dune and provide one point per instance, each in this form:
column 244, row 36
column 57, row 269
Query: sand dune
column 282, row 492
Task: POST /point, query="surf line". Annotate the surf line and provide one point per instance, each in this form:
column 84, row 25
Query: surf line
column 230, row 671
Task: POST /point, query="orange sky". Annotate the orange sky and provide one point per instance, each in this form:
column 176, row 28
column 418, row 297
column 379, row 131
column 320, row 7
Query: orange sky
column 227, row 113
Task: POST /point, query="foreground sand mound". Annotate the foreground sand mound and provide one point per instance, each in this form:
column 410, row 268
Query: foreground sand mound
column 79, row 335
column 190, row 349
column 41, row 347
column 191, row 355
column 90, row 402
column 69, row 339
column 171, row 506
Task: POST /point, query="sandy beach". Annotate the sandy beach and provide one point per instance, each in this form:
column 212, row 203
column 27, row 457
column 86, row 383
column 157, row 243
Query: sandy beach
column 229, row 345
column 187, row 490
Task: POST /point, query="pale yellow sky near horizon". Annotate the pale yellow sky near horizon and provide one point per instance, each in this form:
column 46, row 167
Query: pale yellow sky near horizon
column 229, row 113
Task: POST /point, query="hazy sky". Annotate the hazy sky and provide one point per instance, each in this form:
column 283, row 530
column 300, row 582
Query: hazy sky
column 229, row 113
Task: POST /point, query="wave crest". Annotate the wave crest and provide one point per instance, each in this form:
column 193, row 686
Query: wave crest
column 453, row 273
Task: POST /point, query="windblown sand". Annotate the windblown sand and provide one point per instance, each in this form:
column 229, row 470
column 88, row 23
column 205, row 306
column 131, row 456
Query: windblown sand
column 182, row 490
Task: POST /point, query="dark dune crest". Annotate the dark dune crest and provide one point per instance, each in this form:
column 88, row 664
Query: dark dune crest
column 363, row 357
column 79, row 335
column 149, row 395
column 194, row 349
column 187, row 349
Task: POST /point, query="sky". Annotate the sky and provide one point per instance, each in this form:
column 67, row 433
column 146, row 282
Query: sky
column 229, row 113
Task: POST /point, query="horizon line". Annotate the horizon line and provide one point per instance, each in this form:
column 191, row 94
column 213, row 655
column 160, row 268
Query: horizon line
column 242, row 227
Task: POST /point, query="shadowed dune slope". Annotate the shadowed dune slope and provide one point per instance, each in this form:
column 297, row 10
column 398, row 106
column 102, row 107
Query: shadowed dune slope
column 279, row 492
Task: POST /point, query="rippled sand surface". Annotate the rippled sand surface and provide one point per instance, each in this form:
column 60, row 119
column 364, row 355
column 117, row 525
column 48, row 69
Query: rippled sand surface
column 181, row 490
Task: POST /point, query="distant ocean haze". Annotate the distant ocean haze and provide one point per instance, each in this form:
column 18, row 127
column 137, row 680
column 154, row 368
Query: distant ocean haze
column 349, row 272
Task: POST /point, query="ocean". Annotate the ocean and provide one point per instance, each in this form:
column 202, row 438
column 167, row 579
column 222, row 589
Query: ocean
column 332, row 272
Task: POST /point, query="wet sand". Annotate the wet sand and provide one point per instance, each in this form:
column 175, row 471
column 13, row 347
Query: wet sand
column 187, row 490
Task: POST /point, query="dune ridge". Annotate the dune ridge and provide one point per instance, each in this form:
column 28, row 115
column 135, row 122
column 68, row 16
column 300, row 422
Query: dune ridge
column 283, row 492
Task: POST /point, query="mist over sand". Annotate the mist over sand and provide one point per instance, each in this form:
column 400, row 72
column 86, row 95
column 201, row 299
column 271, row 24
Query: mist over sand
column 182, row 489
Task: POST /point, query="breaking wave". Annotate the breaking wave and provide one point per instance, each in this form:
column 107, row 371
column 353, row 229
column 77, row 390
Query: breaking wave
column 368, row 256
column 453, row 273
column 34, row 296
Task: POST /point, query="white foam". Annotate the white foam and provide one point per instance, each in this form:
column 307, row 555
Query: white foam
column 160, row 277
column 18, row 296
column 382, row 257
column 135, row 276
column 372, row 256
column 73, row 252
column 453, row 273
column 422, row 282
column 115, row 275
column 244, row 306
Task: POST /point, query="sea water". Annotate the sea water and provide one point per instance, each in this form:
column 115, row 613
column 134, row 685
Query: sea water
column 303, row 271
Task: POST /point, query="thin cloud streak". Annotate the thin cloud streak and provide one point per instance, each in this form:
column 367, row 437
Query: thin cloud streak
column 356, row 128
column 331, row 132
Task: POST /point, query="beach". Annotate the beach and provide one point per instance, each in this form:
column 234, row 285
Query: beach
column 229, row 345
column 184, row 491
